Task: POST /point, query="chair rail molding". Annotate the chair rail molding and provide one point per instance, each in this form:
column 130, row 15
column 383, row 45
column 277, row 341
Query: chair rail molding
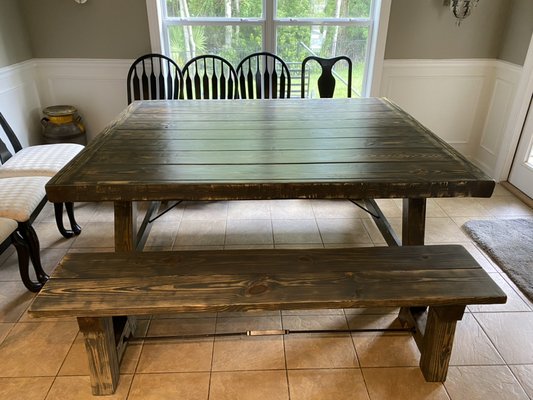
column 468, row 103
column 465, row 102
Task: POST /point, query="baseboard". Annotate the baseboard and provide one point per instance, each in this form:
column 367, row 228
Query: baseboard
column 518, row 193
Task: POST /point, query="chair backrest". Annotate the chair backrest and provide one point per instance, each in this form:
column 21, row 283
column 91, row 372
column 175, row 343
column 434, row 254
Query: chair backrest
column 154, row 77
column 264, row 76
column 209, row 77
column 326, row 81
column 5, row 154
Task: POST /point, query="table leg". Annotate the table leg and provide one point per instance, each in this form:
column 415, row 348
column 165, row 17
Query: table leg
column 413, row 221
column 413, row 228
column 125, row 240
column 125, row 226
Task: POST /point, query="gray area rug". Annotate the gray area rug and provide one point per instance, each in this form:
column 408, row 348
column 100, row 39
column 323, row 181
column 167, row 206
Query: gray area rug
column 509, row 242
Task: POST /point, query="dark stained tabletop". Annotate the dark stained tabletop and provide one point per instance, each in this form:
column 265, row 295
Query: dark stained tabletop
column 266, row 149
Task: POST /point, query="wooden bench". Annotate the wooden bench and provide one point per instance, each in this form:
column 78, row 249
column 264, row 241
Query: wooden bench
column 95, row 287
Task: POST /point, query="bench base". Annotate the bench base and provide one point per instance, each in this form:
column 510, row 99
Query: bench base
column 100, row 287
column 433, row 333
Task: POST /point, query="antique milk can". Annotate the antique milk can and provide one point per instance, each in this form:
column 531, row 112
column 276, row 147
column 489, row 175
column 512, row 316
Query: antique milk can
column 62, row 124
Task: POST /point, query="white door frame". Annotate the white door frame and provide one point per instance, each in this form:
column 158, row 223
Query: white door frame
column 517, row 118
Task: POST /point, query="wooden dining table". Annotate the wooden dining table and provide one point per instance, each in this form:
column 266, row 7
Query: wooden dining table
column 366, row 148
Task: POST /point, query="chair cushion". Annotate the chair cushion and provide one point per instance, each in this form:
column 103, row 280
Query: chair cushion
column 7, row 227
column 19, row 197
column 42, row 160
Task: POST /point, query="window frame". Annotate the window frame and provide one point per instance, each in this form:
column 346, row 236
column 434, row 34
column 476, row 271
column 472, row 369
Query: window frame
column 377, row 24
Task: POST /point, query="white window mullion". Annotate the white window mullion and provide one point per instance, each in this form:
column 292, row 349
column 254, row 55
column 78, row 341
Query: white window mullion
column 213, row 21
column 156, row 14
column 324, row 21
column 269, row 38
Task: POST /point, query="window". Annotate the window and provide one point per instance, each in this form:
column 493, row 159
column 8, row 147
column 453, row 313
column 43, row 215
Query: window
column 292, row 29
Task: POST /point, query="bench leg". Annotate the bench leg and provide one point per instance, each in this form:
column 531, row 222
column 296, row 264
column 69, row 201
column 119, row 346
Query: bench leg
column 102, row 354
column 438, row 342
column 435, row 339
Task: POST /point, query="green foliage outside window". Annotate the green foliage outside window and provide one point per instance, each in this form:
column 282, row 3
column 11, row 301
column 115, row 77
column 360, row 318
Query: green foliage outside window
column 294, row 43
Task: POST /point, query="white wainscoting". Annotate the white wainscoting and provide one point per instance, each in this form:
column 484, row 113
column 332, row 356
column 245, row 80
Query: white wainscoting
column 465, row 102
column 20, row 103
column 506, row 79
column 97, row 88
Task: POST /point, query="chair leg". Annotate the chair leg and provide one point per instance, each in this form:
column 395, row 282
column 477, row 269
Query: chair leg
column 23, row 255
column 58, row 209
column 30, row 237
column 70, row 212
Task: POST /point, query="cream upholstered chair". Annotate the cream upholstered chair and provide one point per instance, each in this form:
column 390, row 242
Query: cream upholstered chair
column 21, row 200
column 9, row 235
column 41, row 160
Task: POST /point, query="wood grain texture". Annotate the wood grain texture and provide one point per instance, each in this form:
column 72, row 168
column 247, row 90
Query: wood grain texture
column 102, row 354
column 438, row 342
column 107, row 284
column 274, row 149
column 413, row 221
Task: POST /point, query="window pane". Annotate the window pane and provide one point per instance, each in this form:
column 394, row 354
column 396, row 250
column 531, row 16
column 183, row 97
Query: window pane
column 324, row 8
column 230, row 42
column 215, row 8
column 294, row 43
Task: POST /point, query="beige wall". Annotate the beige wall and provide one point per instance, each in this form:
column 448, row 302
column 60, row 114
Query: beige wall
column 518, row 31
column 97, row 29
column 14, row 39
column 418, row 29
column 425, row 29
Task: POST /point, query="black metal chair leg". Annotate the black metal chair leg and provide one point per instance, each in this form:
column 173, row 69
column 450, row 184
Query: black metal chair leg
column 58, row 209
column 70, row 212
column 23, row 255
column 30, row 237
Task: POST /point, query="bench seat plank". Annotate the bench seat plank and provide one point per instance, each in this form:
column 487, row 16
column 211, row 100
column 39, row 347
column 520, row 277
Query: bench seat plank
column 108, row 284
column 298, row 260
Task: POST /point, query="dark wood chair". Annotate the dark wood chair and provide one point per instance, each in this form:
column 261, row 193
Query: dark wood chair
column 264, row 76
column 154, row 77
column 326, row 81
column 9, row 235
column 42, row 160
column 209, row 77
column 21, row 200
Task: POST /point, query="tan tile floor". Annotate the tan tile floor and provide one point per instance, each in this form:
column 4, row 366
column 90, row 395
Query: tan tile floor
column 492, row 357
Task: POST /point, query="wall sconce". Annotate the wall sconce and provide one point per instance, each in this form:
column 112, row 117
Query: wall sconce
column 81, row 1
column 461, row 8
